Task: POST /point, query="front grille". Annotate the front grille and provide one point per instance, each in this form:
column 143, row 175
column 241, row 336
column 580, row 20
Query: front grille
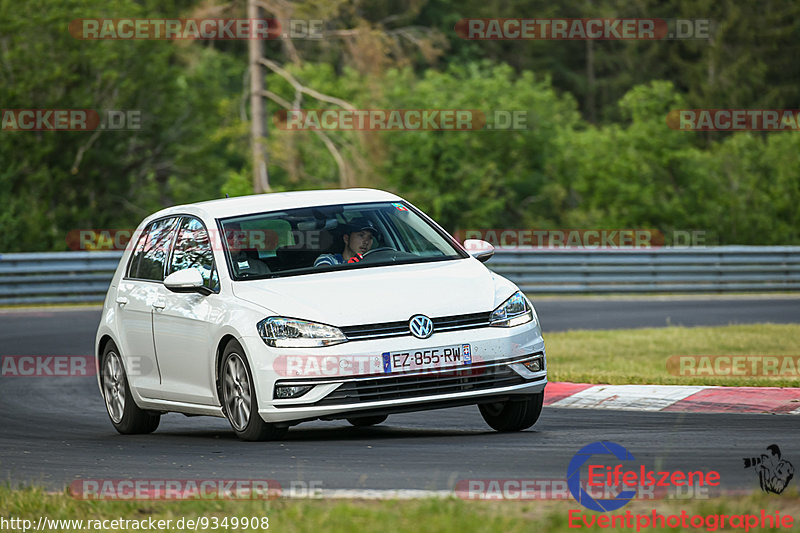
column 404, row 387
column 397, row 329
column 474, row 320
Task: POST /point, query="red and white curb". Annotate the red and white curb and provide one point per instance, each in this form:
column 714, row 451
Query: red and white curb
column 674, row 398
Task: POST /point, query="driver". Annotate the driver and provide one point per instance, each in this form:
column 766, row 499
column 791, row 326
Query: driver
column 358, row 237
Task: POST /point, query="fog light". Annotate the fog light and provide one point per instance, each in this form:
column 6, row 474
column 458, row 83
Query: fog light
column 291, row 391
column 534, row 365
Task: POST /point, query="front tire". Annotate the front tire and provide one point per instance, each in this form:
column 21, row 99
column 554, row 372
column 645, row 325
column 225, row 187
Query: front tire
column 238, row 397
column 125, row 415
column 513, row 415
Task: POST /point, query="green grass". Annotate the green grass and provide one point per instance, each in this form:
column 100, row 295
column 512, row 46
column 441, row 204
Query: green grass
column 346, row 516
column 640, row 355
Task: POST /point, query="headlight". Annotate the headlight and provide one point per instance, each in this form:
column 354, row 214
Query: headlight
column 512, row 312
column 280, row 332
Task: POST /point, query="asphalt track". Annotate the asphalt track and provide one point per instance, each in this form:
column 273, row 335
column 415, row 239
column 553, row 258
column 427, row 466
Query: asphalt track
column 55, row 430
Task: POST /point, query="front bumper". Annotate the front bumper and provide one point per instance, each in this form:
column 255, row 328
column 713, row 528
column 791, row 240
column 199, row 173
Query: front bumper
column 341, row 391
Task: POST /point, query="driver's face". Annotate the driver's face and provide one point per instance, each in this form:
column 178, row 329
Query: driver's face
column 359, row 242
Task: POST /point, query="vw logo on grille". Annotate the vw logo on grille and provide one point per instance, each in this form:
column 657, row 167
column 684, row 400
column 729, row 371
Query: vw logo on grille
column 420, row 326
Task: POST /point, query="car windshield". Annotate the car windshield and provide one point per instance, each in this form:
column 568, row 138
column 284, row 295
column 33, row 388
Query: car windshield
column 320, row 239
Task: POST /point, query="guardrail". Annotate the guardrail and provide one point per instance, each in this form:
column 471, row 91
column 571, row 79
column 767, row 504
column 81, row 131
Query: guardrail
column 63, row 277
column 56, row 277
column 658, row 270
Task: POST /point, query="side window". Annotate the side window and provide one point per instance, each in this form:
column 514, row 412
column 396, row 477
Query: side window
column 136, row 256
column 193, row 250
column 151, row 251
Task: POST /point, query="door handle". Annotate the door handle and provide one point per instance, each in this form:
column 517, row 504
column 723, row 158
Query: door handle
column 160, row 305
column 121, row 300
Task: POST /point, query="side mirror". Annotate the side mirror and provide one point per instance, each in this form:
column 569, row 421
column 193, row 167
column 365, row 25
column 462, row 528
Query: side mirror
column 480, row 250
column 187, row 280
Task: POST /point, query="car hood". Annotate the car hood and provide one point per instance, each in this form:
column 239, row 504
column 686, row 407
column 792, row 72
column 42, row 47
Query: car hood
column 382, row 293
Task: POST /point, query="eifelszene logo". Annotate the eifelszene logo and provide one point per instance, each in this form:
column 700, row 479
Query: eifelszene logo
column 574, row 476
column 613, row 478
column 774, row 472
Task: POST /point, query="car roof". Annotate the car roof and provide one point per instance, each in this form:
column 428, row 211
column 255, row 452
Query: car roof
column 259, row 203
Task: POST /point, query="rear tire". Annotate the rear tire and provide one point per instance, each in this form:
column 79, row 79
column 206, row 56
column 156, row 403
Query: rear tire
column 125, row 415
column 238, row 396
column 513, row 415
column 364, row 421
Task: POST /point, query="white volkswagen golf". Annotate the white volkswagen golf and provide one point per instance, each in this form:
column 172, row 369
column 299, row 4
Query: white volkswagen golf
column 275, row 309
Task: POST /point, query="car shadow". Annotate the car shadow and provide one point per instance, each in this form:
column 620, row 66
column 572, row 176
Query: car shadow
column 341, row 433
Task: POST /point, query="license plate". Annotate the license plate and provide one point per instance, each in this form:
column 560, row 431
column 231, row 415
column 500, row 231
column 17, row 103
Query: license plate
column 442, row 357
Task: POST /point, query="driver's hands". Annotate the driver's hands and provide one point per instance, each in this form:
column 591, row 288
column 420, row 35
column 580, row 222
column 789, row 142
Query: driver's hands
column 355, row 259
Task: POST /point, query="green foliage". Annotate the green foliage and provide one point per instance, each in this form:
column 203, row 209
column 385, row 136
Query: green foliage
column 743, row 189
column 597, row 150
column 53, row 182
column 483, row 178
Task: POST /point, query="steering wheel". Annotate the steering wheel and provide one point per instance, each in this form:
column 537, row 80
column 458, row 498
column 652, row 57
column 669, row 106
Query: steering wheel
column 379, row 249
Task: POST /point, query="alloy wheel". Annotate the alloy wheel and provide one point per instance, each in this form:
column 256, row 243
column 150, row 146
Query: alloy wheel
column 114, row 386
column 237, row 392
